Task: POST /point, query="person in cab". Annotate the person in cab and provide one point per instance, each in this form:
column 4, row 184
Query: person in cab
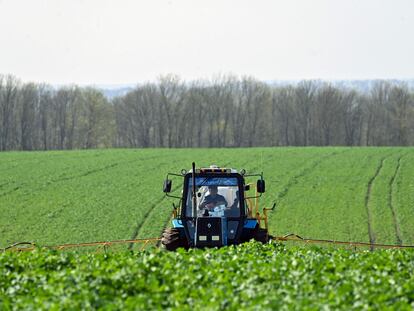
column 213, row 199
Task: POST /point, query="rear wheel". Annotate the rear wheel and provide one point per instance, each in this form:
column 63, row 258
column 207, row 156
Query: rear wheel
column 261, row 235
column 171, row 239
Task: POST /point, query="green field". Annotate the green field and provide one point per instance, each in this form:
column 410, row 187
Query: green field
column 352, row 194
column 356, row 194
column 247, row 277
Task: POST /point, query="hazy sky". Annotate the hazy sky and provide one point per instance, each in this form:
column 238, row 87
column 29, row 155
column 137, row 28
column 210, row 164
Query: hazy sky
column 113, row 42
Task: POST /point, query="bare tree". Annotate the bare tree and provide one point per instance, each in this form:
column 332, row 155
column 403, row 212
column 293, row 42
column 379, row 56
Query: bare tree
column 45, row 104
column 282, row 115
column 328, row 103
column 97, row 116
column 352, row 118
column 63, row 102
column 171, row 91
column 399, row 111
column 8, row 104
column 376, row 114
column 304, row 100
column 29, row 111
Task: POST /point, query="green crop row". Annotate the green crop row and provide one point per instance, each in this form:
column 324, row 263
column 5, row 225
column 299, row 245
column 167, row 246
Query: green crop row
column 80, row 196
column 248, row 277
column 348, row 193
column 403, row 194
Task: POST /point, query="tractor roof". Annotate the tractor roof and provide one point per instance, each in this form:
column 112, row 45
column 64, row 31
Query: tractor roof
column 214, row 169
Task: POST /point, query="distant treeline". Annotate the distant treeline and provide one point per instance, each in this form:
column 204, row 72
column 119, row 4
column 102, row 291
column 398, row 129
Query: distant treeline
column 223, row 112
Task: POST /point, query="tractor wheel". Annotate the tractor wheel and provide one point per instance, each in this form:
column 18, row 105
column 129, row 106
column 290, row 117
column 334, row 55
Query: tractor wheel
column 172, row 240
column 261, row 235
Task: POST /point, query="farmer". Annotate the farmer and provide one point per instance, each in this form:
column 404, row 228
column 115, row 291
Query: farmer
column 213, row 199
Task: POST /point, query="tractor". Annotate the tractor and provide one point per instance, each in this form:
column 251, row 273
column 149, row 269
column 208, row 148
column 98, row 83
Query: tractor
column 215, row 209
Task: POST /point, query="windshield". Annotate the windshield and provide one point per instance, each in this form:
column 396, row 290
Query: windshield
column 215, row 196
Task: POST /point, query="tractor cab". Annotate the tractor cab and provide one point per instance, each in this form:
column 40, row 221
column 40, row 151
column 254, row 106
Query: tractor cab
column 214, row 209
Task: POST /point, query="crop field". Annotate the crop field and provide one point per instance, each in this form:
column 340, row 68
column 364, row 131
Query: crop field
column 248, row 277
column 355, row 194
column 350, row 194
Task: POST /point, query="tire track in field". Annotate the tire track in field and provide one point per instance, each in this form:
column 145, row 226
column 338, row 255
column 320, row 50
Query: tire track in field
column 371, row 233
column 391, row 202
column 4, row 184
column 87, row 173
column 7, row 169
column 55, row 181
column 81, row 175
column 38, row 159
column 146, row 217
column 141, row 223
column 306, row 170
column 98, row 170
column 10, row 191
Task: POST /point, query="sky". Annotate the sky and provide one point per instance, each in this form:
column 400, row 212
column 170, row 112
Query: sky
column 132, row 41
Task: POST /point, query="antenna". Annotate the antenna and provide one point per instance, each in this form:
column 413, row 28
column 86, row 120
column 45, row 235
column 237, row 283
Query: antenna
column 194, row 191
column 261, row 159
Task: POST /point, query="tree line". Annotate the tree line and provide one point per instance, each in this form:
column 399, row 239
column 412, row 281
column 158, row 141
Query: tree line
column 226, row 111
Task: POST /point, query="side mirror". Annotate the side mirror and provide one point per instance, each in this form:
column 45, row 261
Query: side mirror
column 167, row 185
column 246, row 187
column 261, row 186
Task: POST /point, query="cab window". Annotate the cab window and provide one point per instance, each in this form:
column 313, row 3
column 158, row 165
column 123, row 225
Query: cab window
column 215, row 196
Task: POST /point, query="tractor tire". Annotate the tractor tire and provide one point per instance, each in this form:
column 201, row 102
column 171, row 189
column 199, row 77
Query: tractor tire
column 172, row 240
column 261, row 235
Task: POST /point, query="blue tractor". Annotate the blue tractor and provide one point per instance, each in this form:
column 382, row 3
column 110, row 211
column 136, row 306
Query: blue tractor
column 215, row 209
